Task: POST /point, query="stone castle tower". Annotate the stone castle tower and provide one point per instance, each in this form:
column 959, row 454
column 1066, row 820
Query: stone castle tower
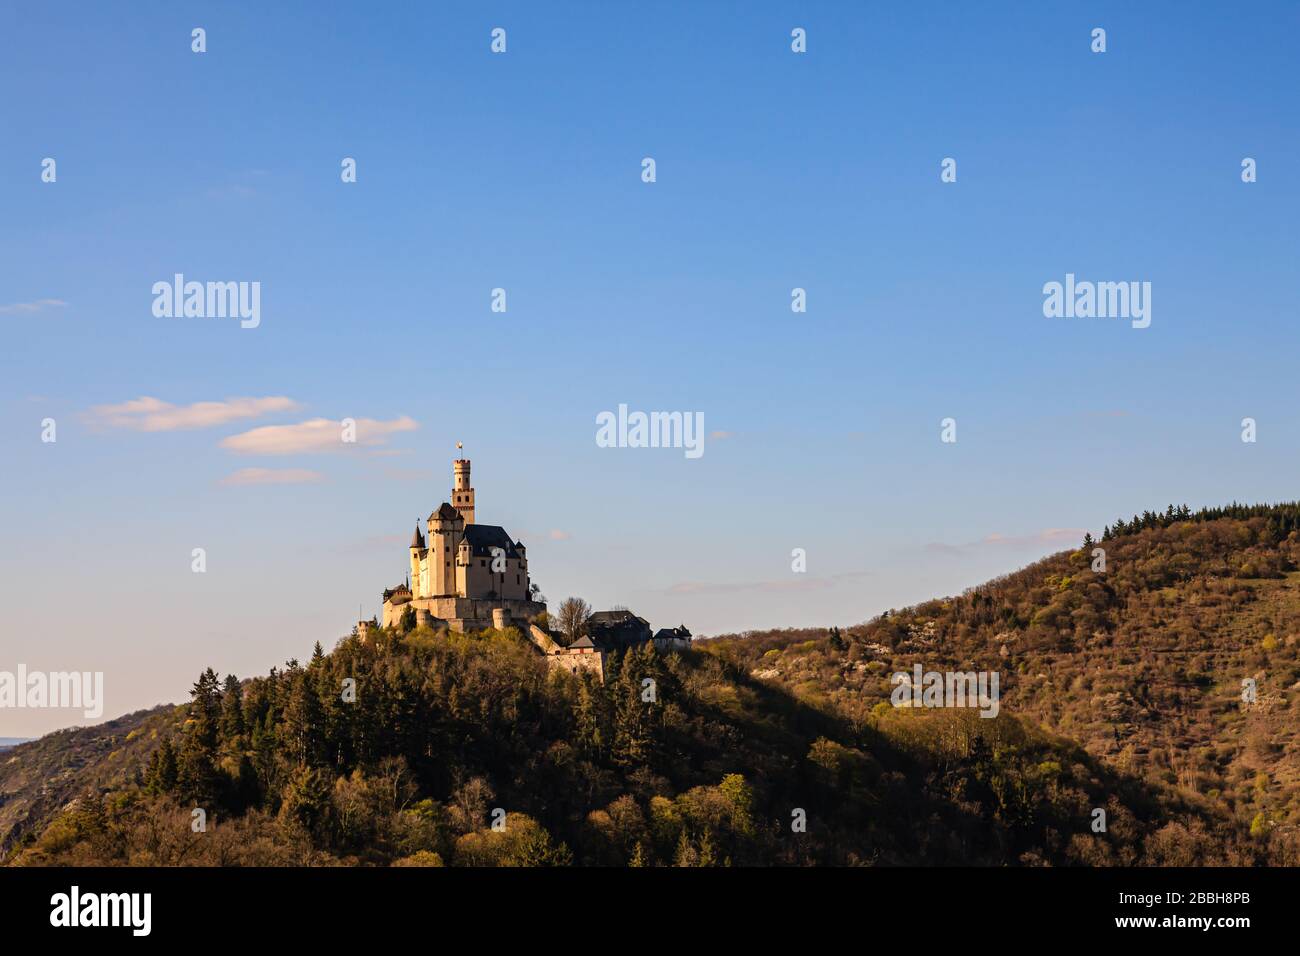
column 462, row 492
column 470, row 577
column 466, row 575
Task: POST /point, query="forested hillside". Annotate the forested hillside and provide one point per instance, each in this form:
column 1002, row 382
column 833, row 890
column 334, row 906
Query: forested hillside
column 1122, row 690
column 1142, row 665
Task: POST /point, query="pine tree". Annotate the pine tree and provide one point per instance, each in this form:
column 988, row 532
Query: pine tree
column 302, row 719
column 633, row 741
column 837, row 642
column 232, row 709
column 197, row 778
column 591, row 713
column 161, row 775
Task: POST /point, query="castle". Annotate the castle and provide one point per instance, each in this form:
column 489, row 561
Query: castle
column 470, row 577
column 464, row 575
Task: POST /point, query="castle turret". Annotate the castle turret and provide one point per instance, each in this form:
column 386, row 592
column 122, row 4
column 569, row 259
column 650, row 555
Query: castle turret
column 417, row 545
column 462, row 492
column 446, row 528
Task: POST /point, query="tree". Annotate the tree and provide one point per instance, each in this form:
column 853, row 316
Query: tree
column 303, row 720
column 837, row 642
column 161, row 776
column 634, row 742
column 572, row 618
column 523, row 842
column 197, row 776
column 306, row 799
column 232, row 709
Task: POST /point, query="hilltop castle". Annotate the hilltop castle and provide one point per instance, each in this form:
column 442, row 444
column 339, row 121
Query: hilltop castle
column 470, row 577
column 465, row 575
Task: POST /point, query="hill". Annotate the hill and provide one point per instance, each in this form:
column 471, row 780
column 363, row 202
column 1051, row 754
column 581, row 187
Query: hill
column 39, row 777
column 1121, row 690
column 1142, row 665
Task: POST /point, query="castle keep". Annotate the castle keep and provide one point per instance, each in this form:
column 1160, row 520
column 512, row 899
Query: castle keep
column 470, row 577
column 465, row 575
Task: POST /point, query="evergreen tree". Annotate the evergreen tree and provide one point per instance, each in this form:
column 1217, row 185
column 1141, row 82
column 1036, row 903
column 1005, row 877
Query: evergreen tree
column 302, row 719
column 232, row 709
column 198, row 780
column 837, row 642
column 161, row 775
column 633, row 741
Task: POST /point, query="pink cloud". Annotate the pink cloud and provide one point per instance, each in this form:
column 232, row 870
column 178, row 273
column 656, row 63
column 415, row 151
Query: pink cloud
column 154, row 415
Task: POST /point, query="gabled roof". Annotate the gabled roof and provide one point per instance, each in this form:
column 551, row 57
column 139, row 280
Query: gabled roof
column 445, row 511
column 618, row 628
column 604, row 618
column 582, row 642
column 482, row 538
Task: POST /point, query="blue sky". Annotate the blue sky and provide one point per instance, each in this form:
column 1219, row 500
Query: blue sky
column 522, row 171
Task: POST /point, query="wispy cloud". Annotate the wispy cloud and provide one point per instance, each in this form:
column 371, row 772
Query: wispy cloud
column 27, row 308
column 313, row 436
column 154, row 415
column 796, row 582
column 272, row 476
column 1062, row 537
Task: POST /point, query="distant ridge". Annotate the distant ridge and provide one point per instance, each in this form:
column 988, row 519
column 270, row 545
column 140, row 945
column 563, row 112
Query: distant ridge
column 1153, row 675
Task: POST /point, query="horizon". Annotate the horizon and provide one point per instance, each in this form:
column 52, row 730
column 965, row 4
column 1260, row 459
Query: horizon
column 904, row 609
column 822, row 430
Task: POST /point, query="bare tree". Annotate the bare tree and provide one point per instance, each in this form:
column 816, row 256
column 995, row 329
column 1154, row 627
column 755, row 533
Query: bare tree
column 571, row 618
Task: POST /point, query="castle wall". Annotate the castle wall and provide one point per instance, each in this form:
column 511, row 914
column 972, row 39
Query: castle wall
column 469, row 614
column 671, row 643
column 393, row 613
column 578, row 662
column 478, row 581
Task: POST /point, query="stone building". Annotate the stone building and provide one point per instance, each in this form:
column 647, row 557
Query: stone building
column 465, row 575
column 607, row 633
column 469, row 577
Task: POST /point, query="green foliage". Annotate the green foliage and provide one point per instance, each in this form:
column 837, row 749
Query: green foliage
column 690, row 759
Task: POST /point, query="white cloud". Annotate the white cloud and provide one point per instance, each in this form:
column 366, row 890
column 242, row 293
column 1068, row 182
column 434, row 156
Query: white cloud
column 153, row 415
column 313, row 436
column 26, row 308
column 272, row 476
